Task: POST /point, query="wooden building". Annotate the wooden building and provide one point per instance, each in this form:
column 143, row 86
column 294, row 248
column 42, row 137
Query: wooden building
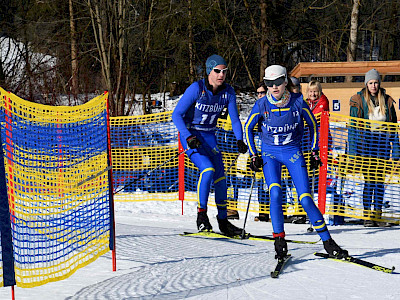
column 339, row 93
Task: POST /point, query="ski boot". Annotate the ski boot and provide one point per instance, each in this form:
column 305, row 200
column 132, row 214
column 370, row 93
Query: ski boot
column 228, row 228
column 333, row 249
column 370, row 223
column 381, row 223
column 203, row 223
column 281, row 248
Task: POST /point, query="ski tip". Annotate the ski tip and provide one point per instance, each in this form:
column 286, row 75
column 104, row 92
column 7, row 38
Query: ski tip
column 324, row 255
column 279, row 266
column 186, row 233
column 357, row 261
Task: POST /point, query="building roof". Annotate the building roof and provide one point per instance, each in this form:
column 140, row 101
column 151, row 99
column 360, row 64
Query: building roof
column 356, row 68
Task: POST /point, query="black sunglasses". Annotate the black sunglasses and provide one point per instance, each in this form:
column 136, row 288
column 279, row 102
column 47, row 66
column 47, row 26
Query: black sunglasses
column 260, row 93
column 216, row 70
column 276, row 82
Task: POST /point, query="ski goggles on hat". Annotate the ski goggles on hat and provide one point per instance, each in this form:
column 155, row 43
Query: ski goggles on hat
column 216, row 70
column 276, row 82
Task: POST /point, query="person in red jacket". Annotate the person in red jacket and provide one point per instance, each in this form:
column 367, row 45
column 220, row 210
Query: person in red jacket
column 319, row 103
column 315, row 98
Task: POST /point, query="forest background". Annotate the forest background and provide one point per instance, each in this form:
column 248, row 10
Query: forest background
column 135, row 48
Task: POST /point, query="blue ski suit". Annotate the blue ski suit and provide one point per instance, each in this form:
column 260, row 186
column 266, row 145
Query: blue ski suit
column 281, row 134
column 197, row 114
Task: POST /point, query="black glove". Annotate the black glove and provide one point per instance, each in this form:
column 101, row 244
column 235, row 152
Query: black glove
column 315, row 160
column 241, row 146
column 193, row 142
column 256, row 163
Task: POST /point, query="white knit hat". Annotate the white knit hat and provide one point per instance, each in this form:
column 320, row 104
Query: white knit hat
column 275, row 71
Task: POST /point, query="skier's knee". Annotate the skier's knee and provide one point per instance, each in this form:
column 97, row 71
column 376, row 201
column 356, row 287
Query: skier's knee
column 207, row 175
column 220, row 181
column 275, row 191
column 306, row 201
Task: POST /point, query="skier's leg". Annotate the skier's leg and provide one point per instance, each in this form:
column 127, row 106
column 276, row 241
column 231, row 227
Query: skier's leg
column 298, row 171
column 220, row 186
column 202, row 160
column 272, row 173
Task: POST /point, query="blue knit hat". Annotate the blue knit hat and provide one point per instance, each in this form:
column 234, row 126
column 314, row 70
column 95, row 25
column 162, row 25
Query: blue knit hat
column 213, row 61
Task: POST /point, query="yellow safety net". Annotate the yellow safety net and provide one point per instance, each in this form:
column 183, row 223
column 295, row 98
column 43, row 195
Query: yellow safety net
column 363, row 169
column 58, row 191
column 141, row 143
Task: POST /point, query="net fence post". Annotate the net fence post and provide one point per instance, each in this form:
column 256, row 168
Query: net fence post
column 323, row 170
column 181, row 173
column 111, row 190
column 7, row 251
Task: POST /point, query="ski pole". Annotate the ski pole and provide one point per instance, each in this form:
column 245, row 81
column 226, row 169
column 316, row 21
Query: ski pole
column 93, row 176
column 311, row 229
column 152, row 170
column 231, row 165
column 248, row 204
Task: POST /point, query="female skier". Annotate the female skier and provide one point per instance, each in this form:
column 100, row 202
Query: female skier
column 282, row 114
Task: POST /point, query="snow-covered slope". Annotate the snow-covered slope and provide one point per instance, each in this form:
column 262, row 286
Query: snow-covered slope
column 155, row 262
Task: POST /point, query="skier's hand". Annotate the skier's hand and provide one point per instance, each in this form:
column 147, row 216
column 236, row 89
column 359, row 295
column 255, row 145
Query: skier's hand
column 193, row 142
column 256, row 163
column 315, row 160
column 242, row 147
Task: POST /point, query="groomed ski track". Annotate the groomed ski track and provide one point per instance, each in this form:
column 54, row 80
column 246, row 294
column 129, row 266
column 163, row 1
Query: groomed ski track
column 155, row 262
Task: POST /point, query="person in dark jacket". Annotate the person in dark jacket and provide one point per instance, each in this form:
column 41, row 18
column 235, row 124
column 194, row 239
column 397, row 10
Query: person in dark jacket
column 372, row 140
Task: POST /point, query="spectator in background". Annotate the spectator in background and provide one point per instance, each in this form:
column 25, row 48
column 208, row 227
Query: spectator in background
column 373, row 140
column 263, row 195
column 195, row 116
column 261, row 90
column 315, row 98
column 296, row 88
column 319, row 103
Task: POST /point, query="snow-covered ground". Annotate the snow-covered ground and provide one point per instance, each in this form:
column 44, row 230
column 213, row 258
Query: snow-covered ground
column 155, row 262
